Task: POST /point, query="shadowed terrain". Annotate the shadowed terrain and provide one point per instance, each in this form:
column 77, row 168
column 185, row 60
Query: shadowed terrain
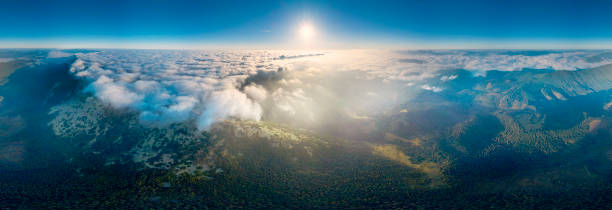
column 506, row 139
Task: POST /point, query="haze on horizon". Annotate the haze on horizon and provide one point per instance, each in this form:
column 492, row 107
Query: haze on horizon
column 295, row 104
column 185, row 24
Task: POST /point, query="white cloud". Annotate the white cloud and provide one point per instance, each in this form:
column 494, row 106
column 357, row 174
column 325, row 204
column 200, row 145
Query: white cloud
column 256, row 92
column 431, row 88
column 228, row 103
column 115, row 94
column 173, row 86
column 507, row 60
column 210, row 86
column 448, row 78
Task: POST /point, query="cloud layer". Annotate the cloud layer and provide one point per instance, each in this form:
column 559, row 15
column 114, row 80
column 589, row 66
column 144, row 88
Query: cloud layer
column 210, row 86
column 172, row 86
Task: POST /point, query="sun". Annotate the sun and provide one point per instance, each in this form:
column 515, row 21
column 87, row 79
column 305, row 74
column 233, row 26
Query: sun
column 306, row 31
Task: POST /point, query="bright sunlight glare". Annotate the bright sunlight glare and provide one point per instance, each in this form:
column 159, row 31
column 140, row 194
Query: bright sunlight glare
column 306, row 31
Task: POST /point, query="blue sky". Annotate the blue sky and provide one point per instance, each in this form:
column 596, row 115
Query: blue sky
column 273, row 24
